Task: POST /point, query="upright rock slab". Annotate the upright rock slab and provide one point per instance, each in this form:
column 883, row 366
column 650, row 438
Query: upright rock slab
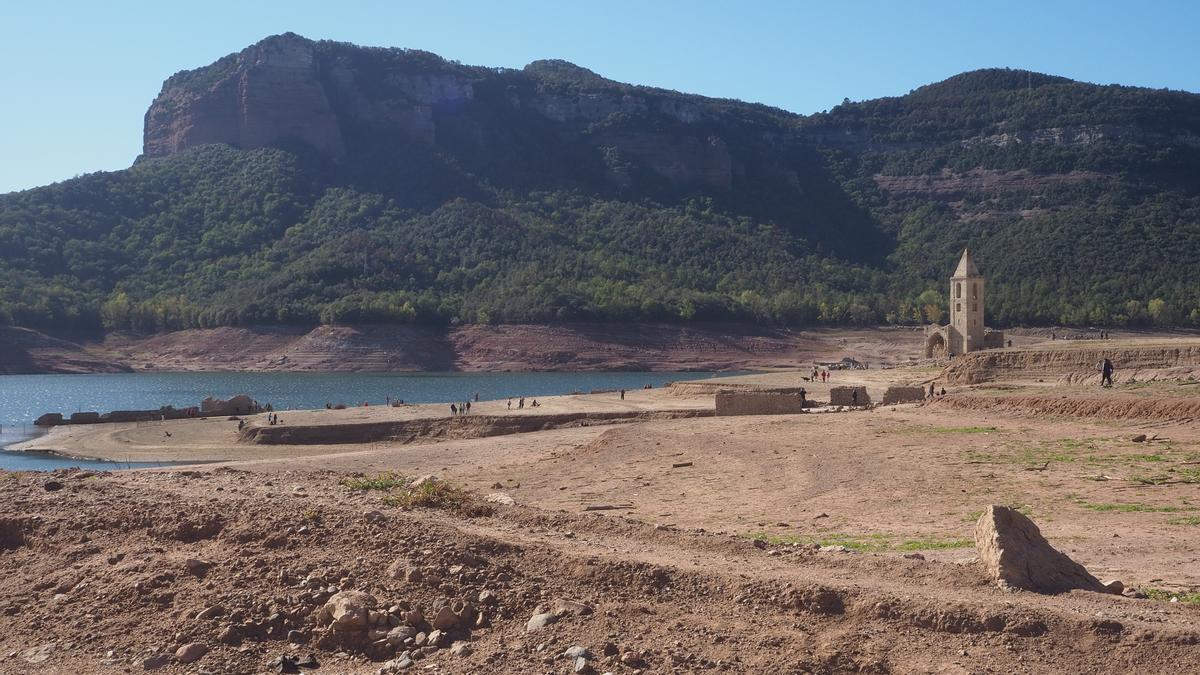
column 1015, row 554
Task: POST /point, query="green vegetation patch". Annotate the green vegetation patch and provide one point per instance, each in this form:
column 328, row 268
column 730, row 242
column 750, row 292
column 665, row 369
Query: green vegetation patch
column 1131, row 508
column 1189, row 597
column 864, row 543
column 430, row 494
column 439, row 495
column 1185, row 520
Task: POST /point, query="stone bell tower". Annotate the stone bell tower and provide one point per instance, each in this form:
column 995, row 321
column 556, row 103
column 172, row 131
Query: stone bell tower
column 966, row 307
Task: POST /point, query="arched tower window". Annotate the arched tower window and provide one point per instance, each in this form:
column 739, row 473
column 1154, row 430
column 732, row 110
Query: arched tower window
column 958, row 289
column 975, row 290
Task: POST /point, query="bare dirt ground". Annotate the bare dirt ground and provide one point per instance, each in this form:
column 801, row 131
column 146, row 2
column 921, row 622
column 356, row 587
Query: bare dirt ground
column 93, row 574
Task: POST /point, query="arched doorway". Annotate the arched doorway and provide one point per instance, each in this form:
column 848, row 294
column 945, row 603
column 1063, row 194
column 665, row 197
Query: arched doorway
column 935, row 346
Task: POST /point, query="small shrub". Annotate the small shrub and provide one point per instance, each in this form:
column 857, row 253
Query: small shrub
column 383, row 481
column 439, row 495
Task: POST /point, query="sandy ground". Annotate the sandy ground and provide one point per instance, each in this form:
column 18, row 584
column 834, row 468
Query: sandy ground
column 669, row 568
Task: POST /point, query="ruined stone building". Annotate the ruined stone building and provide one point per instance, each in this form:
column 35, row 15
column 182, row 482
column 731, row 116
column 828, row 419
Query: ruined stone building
column 966, row 331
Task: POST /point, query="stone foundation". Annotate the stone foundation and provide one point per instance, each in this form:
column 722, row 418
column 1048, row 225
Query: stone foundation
column 845, row 396
column 775, row 402
column 895, row 395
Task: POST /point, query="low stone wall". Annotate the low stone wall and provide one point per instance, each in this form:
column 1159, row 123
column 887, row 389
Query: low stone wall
column 164, row 413
column 845, row 396
column 895, row 395
column 781, row 402
column 50, row 420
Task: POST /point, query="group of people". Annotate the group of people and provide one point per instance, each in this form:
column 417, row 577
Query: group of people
column 820, row 374
column 463, row 408
column 933, row 392
column 273, row 419
column 521, row 403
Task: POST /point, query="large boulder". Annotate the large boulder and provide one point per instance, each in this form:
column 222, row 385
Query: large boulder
column 348, row 611
column 1016, row 555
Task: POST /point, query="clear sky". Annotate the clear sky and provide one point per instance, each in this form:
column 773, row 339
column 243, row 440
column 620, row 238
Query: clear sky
column 77, row 76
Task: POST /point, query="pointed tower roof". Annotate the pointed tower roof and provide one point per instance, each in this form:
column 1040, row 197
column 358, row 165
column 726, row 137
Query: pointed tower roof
column 966, row 266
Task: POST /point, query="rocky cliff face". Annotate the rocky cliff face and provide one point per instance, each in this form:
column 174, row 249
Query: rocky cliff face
column 333, row 96
column 268, row 93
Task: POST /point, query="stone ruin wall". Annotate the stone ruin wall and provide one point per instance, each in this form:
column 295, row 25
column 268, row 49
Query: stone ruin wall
column 844, row 396
column 780, row 402
column 895, row 395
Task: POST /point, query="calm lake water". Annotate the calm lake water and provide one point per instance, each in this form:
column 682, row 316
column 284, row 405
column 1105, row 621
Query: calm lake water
column 24, row 397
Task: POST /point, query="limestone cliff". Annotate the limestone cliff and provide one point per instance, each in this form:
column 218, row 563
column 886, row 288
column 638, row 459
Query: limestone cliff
column 267, row 93
column 340, row 99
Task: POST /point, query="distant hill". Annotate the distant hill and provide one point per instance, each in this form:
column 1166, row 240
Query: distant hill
column 303, row 182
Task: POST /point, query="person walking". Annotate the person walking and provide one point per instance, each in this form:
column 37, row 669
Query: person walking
column 453, row 410
column 1106, row 373
column 622, row 394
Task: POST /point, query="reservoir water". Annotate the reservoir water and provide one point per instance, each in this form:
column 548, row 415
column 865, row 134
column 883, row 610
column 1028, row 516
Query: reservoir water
column 24, row 397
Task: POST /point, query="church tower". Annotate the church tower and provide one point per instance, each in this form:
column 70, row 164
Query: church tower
column 966, row 307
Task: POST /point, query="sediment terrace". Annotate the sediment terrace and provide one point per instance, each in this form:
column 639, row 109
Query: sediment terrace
column 441, row 428
column 1076, row 360
column 1181, row 409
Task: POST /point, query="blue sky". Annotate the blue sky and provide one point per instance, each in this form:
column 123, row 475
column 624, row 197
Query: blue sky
column 77, row 77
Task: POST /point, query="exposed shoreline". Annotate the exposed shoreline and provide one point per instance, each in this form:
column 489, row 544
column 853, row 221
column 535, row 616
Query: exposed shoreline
column 384, row 348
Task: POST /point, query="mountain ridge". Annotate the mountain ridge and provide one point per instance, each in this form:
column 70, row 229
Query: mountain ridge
column 302, row 181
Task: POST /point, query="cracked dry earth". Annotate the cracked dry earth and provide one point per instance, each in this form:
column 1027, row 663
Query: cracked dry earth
column 95, row 577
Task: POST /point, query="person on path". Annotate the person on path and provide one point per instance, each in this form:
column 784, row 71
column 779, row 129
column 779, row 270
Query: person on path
column 622, row 394
column 453, row 410
column 931, row 392
column 469, row 406
column 510, row 404
column 1106, row 373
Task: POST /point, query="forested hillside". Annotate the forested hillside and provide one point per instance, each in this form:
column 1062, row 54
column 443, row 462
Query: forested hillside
column 304, row 182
